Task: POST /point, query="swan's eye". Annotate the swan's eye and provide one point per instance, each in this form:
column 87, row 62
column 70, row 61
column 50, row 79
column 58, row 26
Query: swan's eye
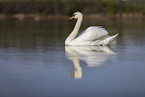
column 74, row 15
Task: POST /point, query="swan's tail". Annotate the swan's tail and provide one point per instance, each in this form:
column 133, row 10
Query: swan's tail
column 105, row 41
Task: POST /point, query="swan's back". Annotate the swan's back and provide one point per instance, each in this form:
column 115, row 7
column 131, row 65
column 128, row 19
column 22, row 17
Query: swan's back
column 91, row 34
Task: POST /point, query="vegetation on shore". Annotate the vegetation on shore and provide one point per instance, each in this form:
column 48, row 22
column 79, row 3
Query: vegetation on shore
column 48, row 8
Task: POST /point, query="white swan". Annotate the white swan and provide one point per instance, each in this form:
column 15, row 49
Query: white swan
column 91, row 36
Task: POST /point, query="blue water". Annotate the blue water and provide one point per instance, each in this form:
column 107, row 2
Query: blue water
column 35, row 63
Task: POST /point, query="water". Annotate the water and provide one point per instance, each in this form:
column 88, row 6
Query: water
column 35, row 63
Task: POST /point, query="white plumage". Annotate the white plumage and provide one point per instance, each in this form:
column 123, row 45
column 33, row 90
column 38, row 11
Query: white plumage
column 91, row 36
column 92, row 33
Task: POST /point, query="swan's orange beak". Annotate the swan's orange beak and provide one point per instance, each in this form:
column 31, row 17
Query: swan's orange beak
column 71, row 18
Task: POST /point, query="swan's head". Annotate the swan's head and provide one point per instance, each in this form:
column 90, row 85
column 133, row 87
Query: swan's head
column 76, row 15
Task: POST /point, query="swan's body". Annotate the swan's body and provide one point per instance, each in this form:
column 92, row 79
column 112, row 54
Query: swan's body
column 91, row 36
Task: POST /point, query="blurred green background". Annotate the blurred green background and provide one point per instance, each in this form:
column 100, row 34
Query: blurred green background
column 42, row 8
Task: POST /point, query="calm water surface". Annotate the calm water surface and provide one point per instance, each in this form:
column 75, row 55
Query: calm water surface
column 35, row 63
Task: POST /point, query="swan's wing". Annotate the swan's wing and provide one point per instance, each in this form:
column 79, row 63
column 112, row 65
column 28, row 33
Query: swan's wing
column 104, row 41
column 91, row 34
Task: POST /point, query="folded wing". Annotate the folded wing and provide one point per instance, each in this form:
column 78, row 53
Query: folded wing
column 91, row 34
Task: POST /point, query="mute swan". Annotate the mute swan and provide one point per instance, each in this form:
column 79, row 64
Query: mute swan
column 91, row 36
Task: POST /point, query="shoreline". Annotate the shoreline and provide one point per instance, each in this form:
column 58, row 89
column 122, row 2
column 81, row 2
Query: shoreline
column 38, row 17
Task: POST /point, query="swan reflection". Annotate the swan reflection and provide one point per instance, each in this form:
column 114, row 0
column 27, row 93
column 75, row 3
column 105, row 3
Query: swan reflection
column 93, row 56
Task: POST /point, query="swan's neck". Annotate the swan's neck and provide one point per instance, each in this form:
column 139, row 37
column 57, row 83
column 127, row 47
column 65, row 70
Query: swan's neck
column 74, row 33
